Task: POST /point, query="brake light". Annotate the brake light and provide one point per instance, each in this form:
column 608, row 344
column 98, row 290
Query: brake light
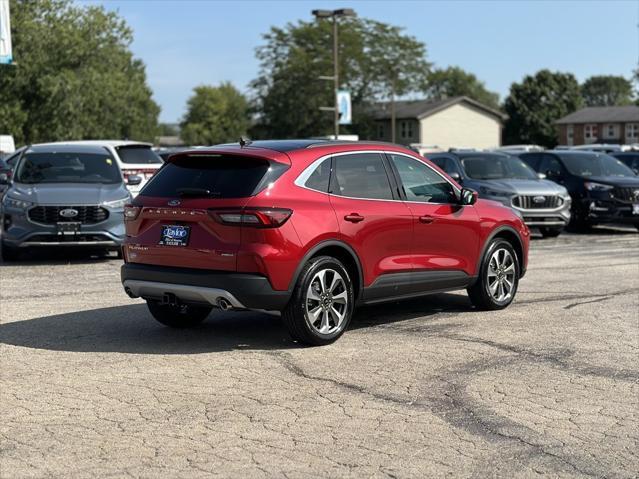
column 131, row 212
column 252, row 217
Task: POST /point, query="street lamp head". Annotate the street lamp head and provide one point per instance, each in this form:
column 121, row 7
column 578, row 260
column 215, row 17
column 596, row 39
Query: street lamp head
column 341, row 12
column 322, row 13
column 344, row 12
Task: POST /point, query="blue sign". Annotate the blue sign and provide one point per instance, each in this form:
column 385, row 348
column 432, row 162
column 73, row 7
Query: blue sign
column 5, row 33
column 344, row 107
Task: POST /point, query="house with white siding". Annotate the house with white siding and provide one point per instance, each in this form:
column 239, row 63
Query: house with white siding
column 458, row 122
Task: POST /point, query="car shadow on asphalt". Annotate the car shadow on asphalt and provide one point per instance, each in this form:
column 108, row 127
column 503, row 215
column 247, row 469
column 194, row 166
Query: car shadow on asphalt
column 51, row 256
column 131, row 329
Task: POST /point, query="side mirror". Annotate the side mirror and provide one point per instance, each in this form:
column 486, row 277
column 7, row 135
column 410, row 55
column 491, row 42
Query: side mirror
column 4, row 179
column 133, row 180
column 455, row 176
column 541, row 176
column 468, row 197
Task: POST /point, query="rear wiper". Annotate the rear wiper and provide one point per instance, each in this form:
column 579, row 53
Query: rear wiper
column 195, row 192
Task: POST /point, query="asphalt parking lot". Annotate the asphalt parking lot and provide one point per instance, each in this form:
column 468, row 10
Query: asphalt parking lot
column 92, row 386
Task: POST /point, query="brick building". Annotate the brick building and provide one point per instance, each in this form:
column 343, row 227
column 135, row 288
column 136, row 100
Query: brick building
column 605, row 124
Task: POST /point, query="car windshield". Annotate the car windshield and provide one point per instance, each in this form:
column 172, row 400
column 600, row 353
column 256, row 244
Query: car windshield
column 496, row 167
column 593, row 164
column 57, row 167
column 138, row 154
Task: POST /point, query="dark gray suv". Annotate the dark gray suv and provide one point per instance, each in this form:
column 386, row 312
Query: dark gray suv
column 63, row 195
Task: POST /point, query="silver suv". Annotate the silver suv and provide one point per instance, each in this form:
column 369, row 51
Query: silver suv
column 63, row 195
column 507, row 179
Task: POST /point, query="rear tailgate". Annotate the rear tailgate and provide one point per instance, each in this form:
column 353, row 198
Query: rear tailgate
column 178, row 221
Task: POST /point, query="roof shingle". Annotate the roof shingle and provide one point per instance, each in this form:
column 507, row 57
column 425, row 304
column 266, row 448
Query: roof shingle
column 419, row 109
column 602, row 114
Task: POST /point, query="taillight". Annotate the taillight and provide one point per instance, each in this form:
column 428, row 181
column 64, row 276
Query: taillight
column 131, row 212
column 145, row 173
column 252, row 217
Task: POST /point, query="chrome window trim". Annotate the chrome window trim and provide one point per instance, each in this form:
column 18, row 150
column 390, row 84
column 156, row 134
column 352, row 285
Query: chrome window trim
column 309, row 170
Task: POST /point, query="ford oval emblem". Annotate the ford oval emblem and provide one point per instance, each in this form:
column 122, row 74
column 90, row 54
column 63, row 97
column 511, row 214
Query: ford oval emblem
column 68, row 213
column 174, row 202
column 539, row 199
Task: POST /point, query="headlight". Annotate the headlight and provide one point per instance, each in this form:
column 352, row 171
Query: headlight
column 15, row 203
column 490, row 192
column 592, row 186
column 117, row 203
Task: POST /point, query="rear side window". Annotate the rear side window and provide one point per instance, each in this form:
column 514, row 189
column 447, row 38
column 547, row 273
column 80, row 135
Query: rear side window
column 361, row 175
column 138, row 154
column 224, row 176
column 320, row 177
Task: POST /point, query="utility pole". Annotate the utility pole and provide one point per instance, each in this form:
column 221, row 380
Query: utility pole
column 334, row 14
column 393, row 121
column 336, row 76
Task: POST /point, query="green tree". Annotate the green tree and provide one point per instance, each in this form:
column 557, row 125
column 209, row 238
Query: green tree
column 536, row 103
column 215, row 115
column 454, row 81
column 75, row 76
column 607, row 90
column 373, row 58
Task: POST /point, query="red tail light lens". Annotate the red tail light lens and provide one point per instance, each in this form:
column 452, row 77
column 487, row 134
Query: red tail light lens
column 252, row 217
column 131, row 212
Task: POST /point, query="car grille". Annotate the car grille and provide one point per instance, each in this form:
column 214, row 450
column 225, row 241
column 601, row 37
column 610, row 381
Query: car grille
column 532, row 202
column 626, row 194
column 50, row 215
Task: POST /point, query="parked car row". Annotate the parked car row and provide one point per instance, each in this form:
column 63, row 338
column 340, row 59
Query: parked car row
column 310, row 228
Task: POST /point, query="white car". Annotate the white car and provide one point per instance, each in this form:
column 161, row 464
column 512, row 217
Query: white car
column 7, row 145
column 133, row 157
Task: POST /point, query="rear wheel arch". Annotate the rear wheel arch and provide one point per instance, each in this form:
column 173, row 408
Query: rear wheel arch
column 341, row 251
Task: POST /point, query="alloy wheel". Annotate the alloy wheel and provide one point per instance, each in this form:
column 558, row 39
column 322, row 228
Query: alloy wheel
column 501, row 275
column 326, row 301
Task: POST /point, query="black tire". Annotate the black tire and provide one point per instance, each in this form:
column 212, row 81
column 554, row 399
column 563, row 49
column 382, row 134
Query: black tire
column 184, row 316
column 480, row 294
column 550, row 232
column 334, row 303
column 9, row 254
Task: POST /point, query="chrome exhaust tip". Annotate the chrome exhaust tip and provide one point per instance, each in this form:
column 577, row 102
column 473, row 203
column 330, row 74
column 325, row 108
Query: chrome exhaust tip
column 224, row 304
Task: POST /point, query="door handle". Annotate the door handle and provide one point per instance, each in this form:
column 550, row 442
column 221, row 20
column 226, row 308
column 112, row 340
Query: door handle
column 354, row 218
column 426, row 219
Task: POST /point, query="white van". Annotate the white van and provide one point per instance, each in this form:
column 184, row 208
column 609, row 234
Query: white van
column 7, row 145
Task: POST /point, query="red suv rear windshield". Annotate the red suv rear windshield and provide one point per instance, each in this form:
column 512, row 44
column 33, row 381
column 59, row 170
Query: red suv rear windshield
column 223, row 176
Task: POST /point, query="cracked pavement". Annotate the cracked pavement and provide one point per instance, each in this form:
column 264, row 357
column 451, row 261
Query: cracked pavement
column 92, row 386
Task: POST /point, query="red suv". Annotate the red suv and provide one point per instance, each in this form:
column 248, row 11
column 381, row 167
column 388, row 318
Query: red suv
column 313, row 228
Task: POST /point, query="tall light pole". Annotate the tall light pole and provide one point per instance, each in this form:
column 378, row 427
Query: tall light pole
column 334, row 14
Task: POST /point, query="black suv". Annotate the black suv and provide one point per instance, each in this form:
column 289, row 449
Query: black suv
column 603, row 189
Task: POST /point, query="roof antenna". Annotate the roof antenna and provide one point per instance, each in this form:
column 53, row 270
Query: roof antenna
column 244, row 142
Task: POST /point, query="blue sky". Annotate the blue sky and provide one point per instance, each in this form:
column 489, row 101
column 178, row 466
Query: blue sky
column 186, row 43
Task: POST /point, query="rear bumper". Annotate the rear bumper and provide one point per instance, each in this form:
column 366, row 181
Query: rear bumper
column 241, row 290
